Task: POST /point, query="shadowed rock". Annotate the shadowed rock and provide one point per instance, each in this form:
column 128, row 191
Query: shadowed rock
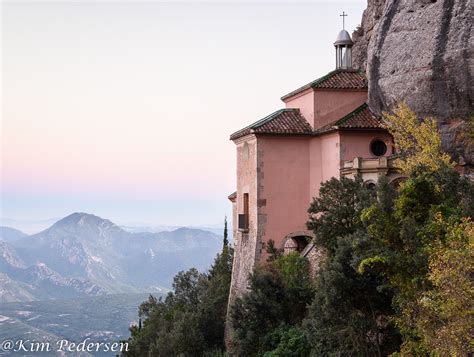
column 421, row 52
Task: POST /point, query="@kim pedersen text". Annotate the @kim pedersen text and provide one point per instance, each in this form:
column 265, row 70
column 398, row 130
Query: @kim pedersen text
column 86, row 345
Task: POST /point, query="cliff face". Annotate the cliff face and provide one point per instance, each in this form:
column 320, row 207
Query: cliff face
column 421, row 52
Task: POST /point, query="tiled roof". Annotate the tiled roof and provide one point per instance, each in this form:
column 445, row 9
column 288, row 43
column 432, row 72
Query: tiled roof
column 290, row 122
column 338, row 79
column 283, row 121
column 360, row 118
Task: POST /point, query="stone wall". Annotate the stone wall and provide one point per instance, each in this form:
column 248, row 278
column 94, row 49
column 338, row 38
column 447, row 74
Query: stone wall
column 315, row 258
column 246, row 244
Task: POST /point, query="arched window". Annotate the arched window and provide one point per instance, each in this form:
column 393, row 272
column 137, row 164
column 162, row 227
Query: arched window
column 296, row 244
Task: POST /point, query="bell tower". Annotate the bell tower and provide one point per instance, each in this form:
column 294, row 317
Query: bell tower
column 343, row 47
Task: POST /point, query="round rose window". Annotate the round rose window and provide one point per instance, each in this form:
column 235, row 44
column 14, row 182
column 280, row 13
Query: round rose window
column 378, row 148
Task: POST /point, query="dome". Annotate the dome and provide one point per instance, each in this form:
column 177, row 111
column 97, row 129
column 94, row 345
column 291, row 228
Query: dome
column 343, row 38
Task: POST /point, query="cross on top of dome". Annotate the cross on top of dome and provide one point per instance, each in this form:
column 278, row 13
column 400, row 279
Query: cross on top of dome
column 343, row 20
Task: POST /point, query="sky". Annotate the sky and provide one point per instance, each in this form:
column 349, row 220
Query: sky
column 124, row 109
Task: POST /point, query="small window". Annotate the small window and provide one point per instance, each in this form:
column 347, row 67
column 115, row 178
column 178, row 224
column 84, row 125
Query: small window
column 378, row 148
column 246, row 204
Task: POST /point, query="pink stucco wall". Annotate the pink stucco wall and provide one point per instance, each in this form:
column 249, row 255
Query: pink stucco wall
column 321, row 107
column 331, row 105
column 283, row 187
column 304, row 101
column 357, row 143
column 324, row 160
column 282, row 174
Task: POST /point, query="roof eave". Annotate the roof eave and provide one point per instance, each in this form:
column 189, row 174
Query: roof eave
column 314, row 84
column 232, row 197
column 296, row 92
column 284, row 134
column 362, row 129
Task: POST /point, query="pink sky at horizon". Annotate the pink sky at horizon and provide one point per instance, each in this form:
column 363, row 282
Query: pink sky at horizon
column 124, row 110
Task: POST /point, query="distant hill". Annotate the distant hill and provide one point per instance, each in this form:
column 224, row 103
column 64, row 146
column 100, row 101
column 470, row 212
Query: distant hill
column 8, row 234
column 214, row 228
column 28, row 226
column 84, row 255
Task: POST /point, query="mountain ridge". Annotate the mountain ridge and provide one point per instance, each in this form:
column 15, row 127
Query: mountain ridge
column 86, row 255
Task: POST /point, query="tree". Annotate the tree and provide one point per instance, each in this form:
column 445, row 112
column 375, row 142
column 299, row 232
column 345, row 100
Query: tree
column 417, row 141
column 350, row 310
column 170, row 320
column 212, row 310
column 226, row 239
column 336, row 212
column 289, row 341
column 435, row 258
column 276, row 301
column 447, row 310
column 412, row 245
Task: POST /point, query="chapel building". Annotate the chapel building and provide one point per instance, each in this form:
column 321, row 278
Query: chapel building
column 326, row 129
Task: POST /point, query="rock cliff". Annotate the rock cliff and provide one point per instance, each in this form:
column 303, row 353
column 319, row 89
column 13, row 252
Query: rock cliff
column 421, row 52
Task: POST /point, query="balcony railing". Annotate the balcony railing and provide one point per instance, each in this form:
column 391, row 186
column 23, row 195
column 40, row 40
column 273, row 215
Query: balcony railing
column 243, row 222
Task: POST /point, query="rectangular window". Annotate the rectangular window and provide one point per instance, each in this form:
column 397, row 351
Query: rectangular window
column 246, row 204
column 244, row 218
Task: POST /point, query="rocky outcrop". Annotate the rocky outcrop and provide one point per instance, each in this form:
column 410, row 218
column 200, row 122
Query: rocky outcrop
column 362, row 35
column 421, row 52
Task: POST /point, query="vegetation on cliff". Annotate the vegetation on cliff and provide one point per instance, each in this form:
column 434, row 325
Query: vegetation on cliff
column 267, row 320
column 349, row 312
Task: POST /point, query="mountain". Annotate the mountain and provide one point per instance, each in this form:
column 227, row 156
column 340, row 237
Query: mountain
column 31, row 282
column 11, row 290
column 140, row 228
column 150, row 228
column 8, row 234
column 85, row 255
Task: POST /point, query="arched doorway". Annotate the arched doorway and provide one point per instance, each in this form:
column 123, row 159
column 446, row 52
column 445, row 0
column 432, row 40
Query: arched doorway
column 370, row 184
column 297, row 241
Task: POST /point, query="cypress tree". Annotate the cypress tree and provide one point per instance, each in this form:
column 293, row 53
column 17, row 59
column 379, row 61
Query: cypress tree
column 226, row 240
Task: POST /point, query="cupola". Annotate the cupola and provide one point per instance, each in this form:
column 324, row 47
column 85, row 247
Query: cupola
column 343, row 47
